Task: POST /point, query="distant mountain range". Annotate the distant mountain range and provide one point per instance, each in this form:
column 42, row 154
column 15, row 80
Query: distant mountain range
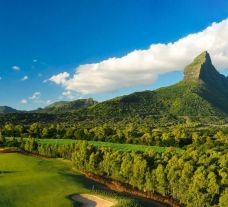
column 202, row 92
column 66, row 106
column 57, row 107
column 7, row 109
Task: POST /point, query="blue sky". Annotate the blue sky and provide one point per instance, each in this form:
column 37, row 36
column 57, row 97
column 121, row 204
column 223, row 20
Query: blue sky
column 44, row 38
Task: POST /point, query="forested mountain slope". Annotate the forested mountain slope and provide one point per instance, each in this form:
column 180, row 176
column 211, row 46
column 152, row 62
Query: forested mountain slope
column 7, row 109
column 202, row 92
column 66, row 106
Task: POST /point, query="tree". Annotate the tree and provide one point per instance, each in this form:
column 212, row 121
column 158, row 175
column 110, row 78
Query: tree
column 162, row 183
column 223, row 200
column 2, row 139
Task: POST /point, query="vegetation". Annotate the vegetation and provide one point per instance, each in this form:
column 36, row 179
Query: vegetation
column 196, row 177
column 139, row 132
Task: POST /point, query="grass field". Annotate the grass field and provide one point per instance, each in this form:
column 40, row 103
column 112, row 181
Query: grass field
column 114, row 146
column 27, row 181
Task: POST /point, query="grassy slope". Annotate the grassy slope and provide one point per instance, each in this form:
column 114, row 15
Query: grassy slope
column 114, row 146
column 28, row 181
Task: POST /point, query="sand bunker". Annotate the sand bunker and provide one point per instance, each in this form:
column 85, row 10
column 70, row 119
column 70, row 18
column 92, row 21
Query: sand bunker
column 92, row 201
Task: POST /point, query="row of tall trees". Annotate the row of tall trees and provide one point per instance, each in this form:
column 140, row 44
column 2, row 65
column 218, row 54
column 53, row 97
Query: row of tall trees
column 196, row 178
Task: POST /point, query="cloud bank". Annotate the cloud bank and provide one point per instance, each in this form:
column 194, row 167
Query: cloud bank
column 142, row 67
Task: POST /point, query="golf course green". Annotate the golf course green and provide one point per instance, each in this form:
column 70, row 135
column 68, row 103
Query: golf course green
column 27, row 181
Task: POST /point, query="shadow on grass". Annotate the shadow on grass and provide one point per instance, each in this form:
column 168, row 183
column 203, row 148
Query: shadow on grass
column 73, row 202
column 85, row 182
column 7, row 172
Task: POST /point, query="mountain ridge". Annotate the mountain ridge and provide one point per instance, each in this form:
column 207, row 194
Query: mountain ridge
column 202, row 92
column 63, row 106
column 202, row 69
column 7, row 109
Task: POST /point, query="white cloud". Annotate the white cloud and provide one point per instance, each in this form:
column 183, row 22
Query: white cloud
column 35, row 96
column 16, row 68
column 142, row 67
column 68, row 94
column 25, row 78
column 61, row 78
column 24, row 101
column 48, row 102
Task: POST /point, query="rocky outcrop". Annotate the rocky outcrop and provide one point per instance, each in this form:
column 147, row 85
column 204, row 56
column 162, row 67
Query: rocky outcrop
column 202, row 69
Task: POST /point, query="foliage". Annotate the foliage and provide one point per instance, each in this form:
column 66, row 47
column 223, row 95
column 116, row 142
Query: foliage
column 139, row 132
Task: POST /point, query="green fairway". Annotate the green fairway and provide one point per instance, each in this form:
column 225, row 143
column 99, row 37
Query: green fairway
column 27, row 181
column 114, row 146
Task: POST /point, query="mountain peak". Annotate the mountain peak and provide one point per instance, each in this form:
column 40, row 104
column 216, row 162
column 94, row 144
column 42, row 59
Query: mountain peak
column 201, row 68
column 203, row 57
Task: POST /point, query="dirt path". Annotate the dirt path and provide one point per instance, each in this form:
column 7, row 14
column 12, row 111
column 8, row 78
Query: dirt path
column 92, row 201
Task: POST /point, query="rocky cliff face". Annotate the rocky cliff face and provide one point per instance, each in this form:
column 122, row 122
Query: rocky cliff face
column 202, row 69
column 215, row 88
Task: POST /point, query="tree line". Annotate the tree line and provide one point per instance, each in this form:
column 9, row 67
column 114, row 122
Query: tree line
column 133, row 133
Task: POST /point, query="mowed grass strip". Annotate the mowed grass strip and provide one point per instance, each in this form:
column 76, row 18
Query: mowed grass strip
column 27, row 181
column 113, row 146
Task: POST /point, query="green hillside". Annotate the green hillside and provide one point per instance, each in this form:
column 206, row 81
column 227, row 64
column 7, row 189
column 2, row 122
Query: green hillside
column 7, row 109
column 203, row 92
column 183, row 98
column 66, row 106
